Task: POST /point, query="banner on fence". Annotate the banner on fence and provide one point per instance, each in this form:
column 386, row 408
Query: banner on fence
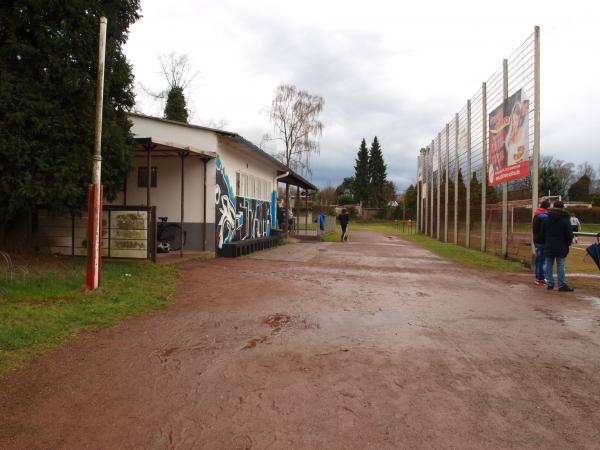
column 509, row 140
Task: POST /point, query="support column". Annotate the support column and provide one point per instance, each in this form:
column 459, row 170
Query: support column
column 484, row 164
column 447, row 168
column 439, row 185
column 204, row 210
column 468, row 178
column 504, row 237
column 148, row 184
column 182, row 155
column 418, row 186
column 432, row 182
column 456, row 169
column 535, row 171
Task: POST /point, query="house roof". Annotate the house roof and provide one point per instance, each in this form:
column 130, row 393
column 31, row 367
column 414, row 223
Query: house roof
column 291, row 177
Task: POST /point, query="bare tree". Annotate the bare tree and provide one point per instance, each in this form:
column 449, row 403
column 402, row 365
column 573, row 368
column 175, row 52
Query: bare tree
column 295, row 118
column 178, row 74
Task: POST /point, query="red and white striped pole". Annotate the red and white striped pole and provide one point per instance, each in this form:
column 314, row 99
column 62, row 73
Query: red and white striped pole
column 94, row 231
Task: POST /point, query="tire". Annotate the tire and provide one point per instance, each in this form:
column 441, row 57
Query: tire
column 171, row 233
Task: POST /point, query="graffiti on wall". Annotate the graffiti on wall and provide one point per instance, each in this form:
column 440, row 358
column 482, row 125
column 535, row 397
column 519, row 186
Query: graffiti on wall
column 238, row 218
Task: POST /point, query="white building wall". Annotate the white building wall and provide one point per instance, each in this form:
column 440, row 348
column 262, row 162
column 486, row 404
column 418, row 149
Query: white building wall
column 170, row 132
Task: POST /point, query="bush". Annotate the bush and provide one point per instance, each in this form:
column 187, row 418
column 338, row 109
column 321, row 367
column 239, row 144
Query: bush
column 587, row 215
column 345, row 199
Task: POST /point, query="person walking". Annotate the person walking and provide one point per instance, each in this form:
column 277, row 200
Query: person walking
column 344, row 218
column 540, row 215
column 558, row 236
column 575, row 225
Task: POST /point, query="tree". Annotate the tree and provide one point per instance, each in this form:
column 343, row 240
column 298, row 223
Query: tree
column 347, row 187
column 327, row 196
column 361, row 174
column 295, row 116
column 48, row 66
column 549, row 182
column 581, row 189
column 389, row 192
column 176, row 109
column 377, row 175
column 410, row 202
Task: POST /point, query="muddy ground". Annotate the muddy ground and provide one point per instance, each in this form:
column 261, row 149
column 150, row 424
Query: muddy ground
column 374, row 343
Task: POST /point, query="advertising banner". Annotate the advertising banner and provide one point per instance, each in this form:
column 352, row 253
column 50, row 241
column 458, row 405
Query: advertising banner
column 509, row 140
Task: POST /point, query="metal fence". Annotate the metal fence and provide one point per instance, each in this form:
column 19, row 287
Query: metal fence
column 457, row 202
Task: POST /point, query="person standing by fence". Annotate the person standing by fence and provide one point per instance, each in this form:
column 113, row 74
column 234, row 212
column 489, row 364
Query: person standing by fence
column 575, row 225
column 344, row 218
column 558, row 236
column 541, row 214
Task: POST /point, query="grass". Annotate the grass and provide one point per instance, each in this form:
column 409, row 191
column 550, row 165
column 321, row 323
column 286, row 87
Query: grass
column 42, row 310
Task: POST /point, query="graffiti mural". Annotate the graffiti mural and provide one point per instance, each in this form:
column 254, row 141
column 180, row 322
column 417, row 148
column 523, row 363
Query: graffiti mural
column 238, row 218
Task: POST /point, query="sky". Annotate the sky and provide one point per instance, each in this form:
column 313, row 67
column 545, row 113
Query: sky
column 392, row 69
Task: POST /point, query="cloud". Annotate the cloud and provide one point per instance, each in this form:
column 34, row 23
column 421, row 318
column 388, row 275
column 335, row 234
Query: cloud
column 391, row 70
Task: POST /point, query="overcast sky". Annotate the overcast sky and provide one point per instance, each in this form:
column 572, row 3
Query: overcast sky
column 395, row 70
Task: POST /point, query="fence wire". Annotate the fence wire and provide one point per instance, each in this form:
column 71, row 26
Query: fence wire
column 456, row 204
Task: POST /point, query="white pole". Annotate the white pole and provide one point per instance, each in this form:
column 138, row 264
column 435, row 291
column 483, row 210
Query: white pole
column 504, row 237
column 95, row 205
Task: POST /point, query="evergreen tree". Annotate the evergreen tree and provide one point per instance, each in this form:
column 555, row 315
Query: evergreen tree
column 361, row 174
column 176, row 108
column 410, row 202
column 549, row 182
column 377, row 175
column 48, row 66
column 580, row 190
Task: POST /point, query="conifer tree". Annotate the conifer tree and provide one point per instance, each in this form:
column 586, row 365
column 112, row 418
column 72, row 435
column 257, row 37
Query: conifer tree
column 48, row 65
column 361, row 174
column 377, row 175
column 176, row 107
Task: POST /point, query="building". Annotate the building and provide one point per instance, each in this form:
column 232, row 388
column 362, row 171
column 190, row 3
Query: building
column 212, row 187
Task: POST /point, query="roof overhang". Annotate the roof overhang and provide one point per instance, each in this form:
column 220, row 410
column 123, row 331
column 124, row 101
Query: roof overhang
column 160, row 147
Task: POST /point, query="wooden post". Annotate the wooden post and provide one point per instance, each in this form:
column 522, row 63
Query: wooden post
column 484, row 164
column 456, row 169
column 468, row 178
column 504, row 236
column 446, row 181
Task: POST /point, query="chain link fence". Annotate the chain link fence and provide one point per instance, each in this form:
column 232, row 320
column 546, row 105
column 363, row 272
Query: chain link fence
column 477, row 180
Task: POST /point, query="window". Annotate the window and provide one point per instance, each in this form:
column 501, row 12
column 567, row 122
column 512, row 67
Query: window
column 142, row 180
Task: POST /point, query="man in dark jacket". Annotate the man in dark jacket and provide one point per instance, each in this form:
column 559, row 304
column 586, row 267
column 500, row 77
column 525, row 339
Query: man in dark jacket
column 540, row 215
column 344, row 218
column 558, row 236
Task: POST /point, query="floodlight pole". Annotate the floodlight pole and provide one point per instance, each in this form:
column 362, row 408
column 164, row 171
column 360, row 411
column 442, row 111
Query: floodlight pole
column 94, row 231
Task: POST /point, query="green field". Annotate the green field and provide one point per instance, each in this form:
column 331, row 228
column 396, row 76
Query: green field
column 42, row 309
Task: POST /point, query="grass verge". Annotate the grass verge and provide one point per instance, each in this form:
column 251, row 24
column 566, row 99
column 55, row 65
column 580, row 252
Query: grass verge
column 45, row 308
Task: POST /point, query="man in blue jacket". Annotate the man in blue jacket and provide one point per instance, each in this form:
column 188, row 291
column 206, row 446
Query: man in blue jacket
column 344, row 218
column 540, row 215
column 558, row 236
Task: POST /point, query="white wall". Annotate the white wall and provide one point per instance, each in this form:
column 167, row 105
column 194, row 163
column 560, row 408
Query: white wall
column 171, row 132
column 234, row 159
column 167, row 193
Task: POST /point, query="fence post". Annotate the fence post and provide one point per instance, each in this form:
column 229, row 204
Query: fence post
column 468, row 200
column 425, row 192
column 536, row 124
column 418, row 186
column 505, row 184
column 484, row 167
column 447, row 168
column 439, row 185
column 432, row 204
column 456, row 169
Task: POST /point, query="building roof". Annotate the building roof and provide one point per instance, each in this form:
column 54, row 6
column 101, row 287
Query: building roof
column 291, row 177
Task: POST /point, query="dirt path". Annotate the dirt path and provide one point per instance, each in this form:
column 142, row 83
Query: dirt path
column 374, row 343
